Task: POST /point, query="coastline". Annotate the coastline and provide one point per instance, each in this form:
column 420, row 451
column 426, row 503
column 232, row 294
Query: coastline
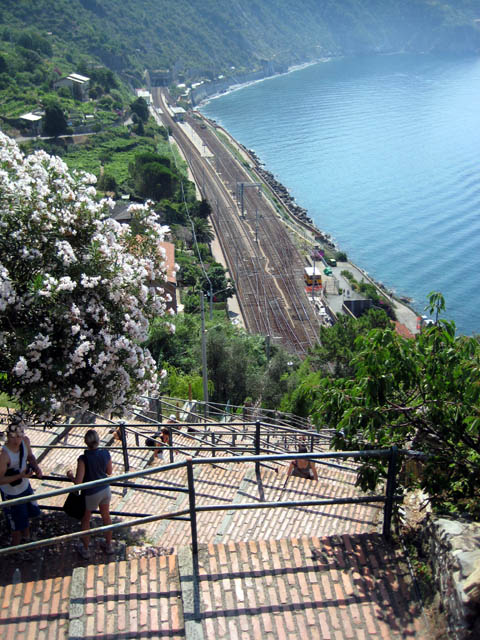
column 406, row 314
column 399, row 299
column 242, row 85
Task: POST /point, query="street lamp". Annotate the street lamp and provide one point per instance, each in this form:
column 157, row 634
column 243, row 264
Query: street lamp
column 204, row 357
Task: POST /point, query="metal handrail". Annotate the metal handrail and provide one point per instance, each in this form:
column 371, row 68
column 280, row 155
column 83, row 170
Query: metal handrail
column 259, row 443
column 388, row 499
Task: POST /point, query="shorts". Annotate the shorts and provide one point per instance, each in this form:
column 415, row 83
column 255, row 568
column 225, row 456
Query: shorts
column 94, row 500
column 19, row 515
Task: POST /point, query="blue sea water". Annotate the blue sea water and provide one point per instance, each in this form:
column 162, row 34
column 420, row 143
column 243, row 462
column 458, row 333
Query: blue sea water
column 384, row 153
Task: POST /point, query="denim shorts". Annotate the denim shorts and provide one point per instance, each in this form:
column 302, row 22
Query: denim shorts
column 18, row 516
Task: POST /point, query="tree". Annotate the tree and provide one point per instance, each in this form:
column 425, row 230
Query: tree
column 201, row 209
column 155, row 181
column 232, row 365
column 153, row 176
column 54, row 122
column 140, row 107
column 336, row 346
column 221, row 286
column 421, row 394
column 76, row 291
column 203, row 231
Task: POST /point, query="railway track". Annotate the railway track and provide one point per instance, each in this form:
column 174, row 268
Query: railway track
column 262, row 258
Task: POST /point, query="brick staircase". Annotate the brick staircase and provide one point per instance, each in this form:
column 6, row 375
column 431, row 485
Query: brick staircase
column 297, row 572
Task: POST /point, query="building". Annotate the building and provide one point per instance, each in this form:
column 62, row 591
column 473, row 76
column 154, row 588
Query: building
column 146, row 95
column 78, row 84
column 171, row 284
column 32, row 122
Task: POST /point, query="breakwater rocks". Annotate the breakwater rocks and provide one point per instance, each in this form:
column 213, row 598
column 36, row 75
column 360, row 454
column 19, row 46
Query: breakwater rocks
column 288, row 201
column 279, row 189
column 455, row 559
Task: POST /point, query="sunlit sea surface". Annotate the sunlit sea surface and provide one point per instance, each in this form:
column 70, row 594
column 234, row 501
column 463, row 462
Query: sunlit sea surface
column 384, row 153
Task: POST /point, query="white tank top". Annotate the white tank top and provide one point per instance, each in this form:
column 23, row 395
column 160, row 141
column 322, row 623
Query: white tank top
column 14, row 457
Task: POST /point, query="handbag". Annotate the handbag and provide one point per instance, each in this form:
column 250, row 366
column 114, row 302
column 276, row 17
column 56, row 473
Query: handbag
column 75, row 505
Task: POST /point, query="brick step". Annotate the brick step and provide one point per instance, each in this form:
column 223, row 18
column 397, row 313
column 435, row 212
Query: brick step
column 137, row 598
column 333, row 587
column 37, row 609
column 213, row 483
column 238, row 483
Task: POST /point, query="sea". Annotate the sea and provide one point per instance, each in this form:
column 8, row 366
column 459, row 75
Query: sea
column 384, row 153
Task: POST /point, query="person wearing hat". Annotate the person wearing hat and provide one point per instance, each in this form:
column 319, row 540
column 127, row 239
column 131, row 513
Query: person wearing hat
column 17, row 465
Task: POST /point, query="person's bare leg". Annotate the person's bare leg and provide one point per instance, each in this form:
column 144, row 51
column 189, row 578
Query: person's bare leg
column 16, row 535
column 106, row 519
column 85, row 527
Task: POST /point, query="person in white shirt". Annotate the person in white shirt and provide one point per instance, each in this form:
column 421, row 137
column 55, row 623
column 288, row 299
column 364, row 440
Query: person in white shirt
column 17, row 465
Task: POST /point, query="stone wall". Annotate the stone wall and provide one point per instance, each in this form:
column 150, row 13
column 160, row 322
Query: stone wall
column 454, row 547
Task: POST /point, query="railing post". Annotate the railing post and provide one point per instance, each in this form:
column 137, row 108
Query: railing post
column 213, row 446
column 170, row 442
column 311, row 444
column 123, row 437
column 193, row 511
column 159, row 410
column 390, row 493
column 257, row 445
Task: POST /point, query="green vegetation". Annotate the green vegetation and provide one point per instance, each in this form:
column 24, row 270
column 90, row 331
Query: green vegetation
column 370, row 291
column 211, row 38
column 7, row 403
column 237, row 363
column 378, row 389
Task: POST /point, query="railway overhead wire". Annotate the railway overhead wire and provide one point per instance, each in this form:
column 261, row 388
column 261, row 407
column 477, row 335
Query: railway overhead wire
column 263, row 260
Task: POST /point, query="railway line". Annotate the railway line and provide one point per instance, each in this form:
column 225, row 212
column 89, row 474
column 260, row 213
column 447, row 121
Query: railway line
column 263, row 261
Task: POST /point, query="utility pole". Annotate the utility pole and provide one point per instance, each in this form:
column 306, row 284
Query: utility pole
column 313, row 278
column 240, row 191
column 210, row 295
column 204, row 357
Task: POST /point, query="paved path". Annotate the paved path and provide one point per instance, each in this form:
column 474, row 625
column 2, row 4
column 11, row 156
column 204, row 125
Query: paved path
column 330, row 588
column 405, row 315
column 320, row 572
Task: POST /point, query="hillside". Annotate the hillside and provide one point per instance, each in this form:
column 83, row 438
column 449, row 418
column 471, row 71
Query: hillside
column 204, row 39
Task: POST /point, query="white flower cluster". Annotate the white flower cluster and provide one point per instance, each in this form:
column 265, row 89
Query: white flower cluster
column 77, row 290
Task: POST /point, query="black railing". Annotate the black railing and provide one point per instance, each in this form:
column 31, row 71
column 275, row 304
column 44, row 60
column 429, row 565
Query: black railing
column 207, row 438
column 388, row 499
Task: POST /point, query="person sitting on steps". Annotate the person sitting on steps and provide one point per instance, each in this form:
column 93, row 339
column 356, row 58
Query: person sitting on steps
column 302, row 467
